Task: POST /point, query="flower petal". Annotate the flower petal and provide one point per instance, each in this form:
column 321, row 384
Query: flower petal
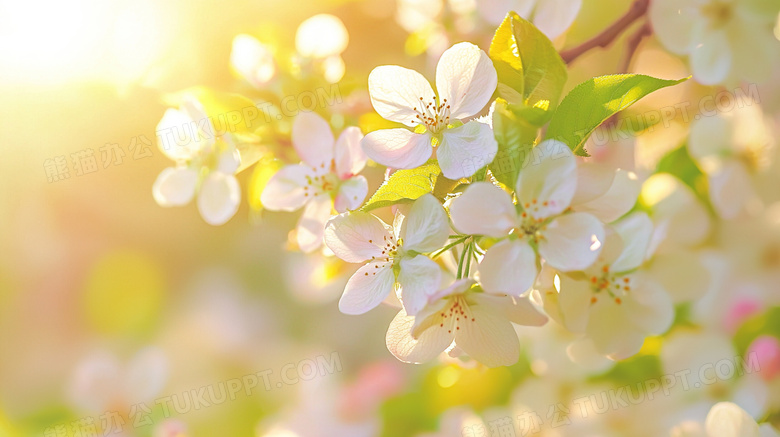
column 610, row 328
column 429, row 344
column 487, row 337
column 426, row 228
column 466, row 78
column 547, row 184
column 466, row 149
column 618, row 200
column 593, row 181
column 367, row 288
column 179, row 136
column 572, row 241
column 508, row 267
column 419, row 278
column 313, row 139
column 731, row 189
column 229, row 161
column 673, row 22
column 574, row 301
column 218, row 198
column 648, row 306
column 357, row 237
column 682, row 274
column 710, row 137
column 349, row 156
column 396, row 91
column 398, row 148
column 311, row 225
column 711, row 59
column 468, row 211
column 553, row 17
column 284, row 191
column 352, row 193
column 175, row 186
column 636, row 232
column 519, row 310
column 728, row 420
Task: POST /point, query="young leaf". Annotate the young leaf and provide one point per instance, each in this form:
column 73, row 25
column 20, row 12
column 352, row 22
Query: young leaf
column 595, row 100
column 531, row 74
column 404, row 186
column 515, row 139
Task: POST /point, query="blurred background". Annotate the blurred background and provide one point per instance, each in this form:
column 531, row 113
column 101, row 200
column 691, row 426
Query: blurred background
column 109, row 302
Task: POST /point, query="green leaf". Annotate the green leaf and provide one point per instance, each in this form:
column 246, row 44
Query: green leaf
column 404, row 186
column 515, row 139
column 531, row 73
column 595, row 100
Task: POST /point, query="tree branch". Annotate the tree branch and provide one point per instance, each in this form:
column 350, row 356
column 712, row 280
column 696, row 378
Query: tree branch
column 605, row 38
column 633, row 43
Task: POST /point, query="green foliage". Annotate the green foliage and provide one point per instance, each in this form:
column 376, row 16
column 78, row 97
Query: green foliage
column 679, row 163
column 767, row 323
column 595, row 100
column 531, row 74
column 404, row 186
column 515, row 139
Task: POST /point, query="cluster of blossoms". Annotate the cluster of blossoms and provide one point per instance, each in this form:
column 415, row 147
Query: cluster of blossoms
column 596, row 258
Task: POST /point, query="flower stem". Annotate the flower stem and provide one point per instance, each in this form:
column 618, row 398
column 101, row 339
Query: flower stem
column 449, row 246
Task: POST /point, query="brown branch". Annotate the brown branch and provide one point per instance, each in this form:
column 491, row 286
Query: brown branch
column 605, row 38
column 633, row 43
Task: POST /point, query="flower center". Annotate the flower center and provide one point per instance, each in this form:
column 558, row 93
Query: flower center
column 609, row 284
column 434, row 115
column 320, row 183
column 459, row 311
column 718, row 12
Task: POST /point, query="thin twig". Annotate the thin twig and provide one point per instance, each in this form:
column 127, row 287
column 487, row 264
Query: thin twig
column 605, row 38
column 633, row 43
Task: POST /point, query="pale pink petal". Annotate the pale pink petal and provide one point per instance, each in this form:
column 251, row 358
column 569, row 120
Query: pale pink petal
column 429, row 344
column 574, row 300
column 553, row 17
column 466, row 78
column 396, row 91
column 729, row 420
column 519, row 310
column 636, row 231
column 466, row 149
column 572, row 241
column 617, row 201
column 484, row 209
column 313, row 139
column 175, row 186
column 426, row 227
column 357, row 237
column 398, row 148
column 285, row 190
column 547, row 183
column 419, row 278
column 349, row 156
column 487, row 337
column 673, row 22
column 508, row 267
column 731, row 189
column 711, row 58
column 311, row 225
column 593, row 181
column 352, row 193
column 367, row 288
column 218, row 198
